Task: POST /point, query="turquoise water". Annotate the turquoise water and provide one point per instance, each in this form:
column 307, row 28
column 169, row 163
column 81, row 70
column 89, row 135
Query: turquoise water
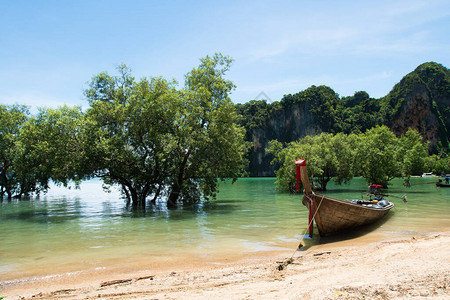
column 72, row 230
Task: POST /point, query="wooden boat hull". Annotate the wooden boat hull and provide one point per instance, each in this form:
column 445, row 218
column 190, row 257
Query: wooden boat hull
column 439, row 184
column 333, row 215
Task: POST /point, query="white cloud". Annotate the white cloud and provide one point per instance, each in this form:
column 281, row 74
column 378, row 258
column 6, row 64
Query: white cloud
column 401, row 8
column 415, row 43
column 401, row 27
column 273, row 47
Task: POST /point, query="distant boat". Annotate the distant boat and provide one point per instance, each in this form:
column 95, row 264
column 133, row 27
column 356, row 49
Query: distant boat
column 334, row 215
column 440, row 183
column 430, row 174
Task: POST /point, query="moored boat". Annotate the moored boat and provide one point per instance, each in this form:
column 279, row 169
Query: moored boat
column 440, row 183
column 334, row 215
column 429, row 174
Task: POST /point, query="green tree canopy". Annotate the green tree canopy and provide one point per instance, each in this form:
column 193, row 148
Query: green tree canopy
column 126, row 125
column 208, row 142
column 12, row 119
column 377, row 155
column 415, row 153
column 39, row 149
column 323, row 103
column 329, row 156
column 52, row 149
column 151, row 138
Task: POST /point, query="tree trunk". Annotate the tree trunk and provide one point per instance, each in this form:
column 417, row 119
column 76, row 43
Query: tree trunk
column 158, row 191
column 134, row 197
column 173, row 197
column 144, row 193
column 176, row 187
column 127, row 194
column 129, row 190
column 4, row 187
column 141, row 200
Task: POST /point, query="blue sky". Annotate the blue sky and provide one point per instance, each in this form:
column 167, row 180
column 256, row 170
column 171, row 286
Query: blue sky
column 49, row 50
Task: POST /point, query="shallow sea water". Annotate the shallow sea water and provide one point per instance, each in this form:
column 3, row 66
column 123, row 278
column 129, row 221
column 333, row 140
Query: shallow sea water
column 74, row 230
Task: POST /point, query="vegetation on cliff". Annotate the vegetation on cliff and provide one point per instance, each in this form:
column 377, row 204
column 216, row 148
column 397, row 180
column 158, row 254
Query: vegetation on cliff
column 421, row 101
column 431, row 79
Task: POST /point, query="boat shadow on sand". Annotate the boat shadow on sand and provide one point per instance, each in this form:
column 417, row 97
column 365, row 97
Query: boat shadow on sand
column 345, row 235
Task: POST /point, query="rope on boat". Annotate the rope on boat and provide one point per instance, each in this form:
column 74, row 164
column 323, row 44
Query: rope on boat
column 290, row 260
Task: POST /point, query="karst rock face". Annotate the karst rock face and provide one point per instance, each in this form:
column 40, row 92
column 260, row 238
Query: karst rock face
column 416, row 113
column 285, row 125
column 421, row 101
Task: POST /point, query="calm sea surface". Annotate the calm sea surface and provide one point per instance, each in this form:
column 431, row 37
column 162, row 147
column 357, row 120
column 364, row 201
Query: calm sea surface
column 71, row 230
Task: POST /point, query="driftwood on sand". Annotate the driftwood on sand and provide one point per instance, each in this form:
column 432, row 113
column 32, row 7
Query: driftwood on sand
column 118, row 281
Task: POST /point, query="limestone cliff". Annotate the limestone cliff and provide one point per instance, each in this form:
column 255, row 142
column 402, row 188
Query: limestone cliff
column 421, row 100
column 285, row 125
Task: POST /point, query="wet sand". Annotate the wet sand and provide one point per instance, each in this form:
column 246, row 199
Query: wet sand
column 417, row 266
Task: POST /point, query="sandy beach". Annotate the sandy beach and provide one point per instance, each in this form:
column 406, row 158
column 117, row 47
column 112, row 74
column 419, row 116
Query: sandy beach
column 399, row 268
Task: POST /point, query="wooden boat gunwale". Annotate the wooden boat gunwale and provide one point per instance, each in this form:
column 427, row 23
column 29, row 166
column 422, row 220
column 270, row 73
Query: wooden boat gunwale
column 346, row 202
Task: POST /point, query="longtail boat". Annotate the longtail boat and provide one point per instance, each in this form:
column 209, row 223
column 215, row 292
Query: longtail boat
column 440, row 183
column 334, row 215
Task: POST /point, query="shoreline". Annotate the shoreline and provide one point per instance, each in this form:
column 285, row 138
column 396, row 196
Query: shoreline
column 400, row 267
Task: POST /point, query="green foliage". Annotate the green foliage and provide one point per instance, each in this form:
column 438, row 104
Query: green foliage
column 320, row 109
column 146, row 136
column 42, row 148
column 328, row 156
column 432, row 78
column 415, row 153
column 439, row 163
column 392, row 103
column 359, row 113
column 436, row 77
column 125, row 130
column 286, row 173
column 12, row 119
column 256, row 113
column 151, row 138
column 209, row 143
column 443, row 131
column 378, row 155
column 154, row 139
column 51, row 148
column 322, row 101
column 441, row 166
